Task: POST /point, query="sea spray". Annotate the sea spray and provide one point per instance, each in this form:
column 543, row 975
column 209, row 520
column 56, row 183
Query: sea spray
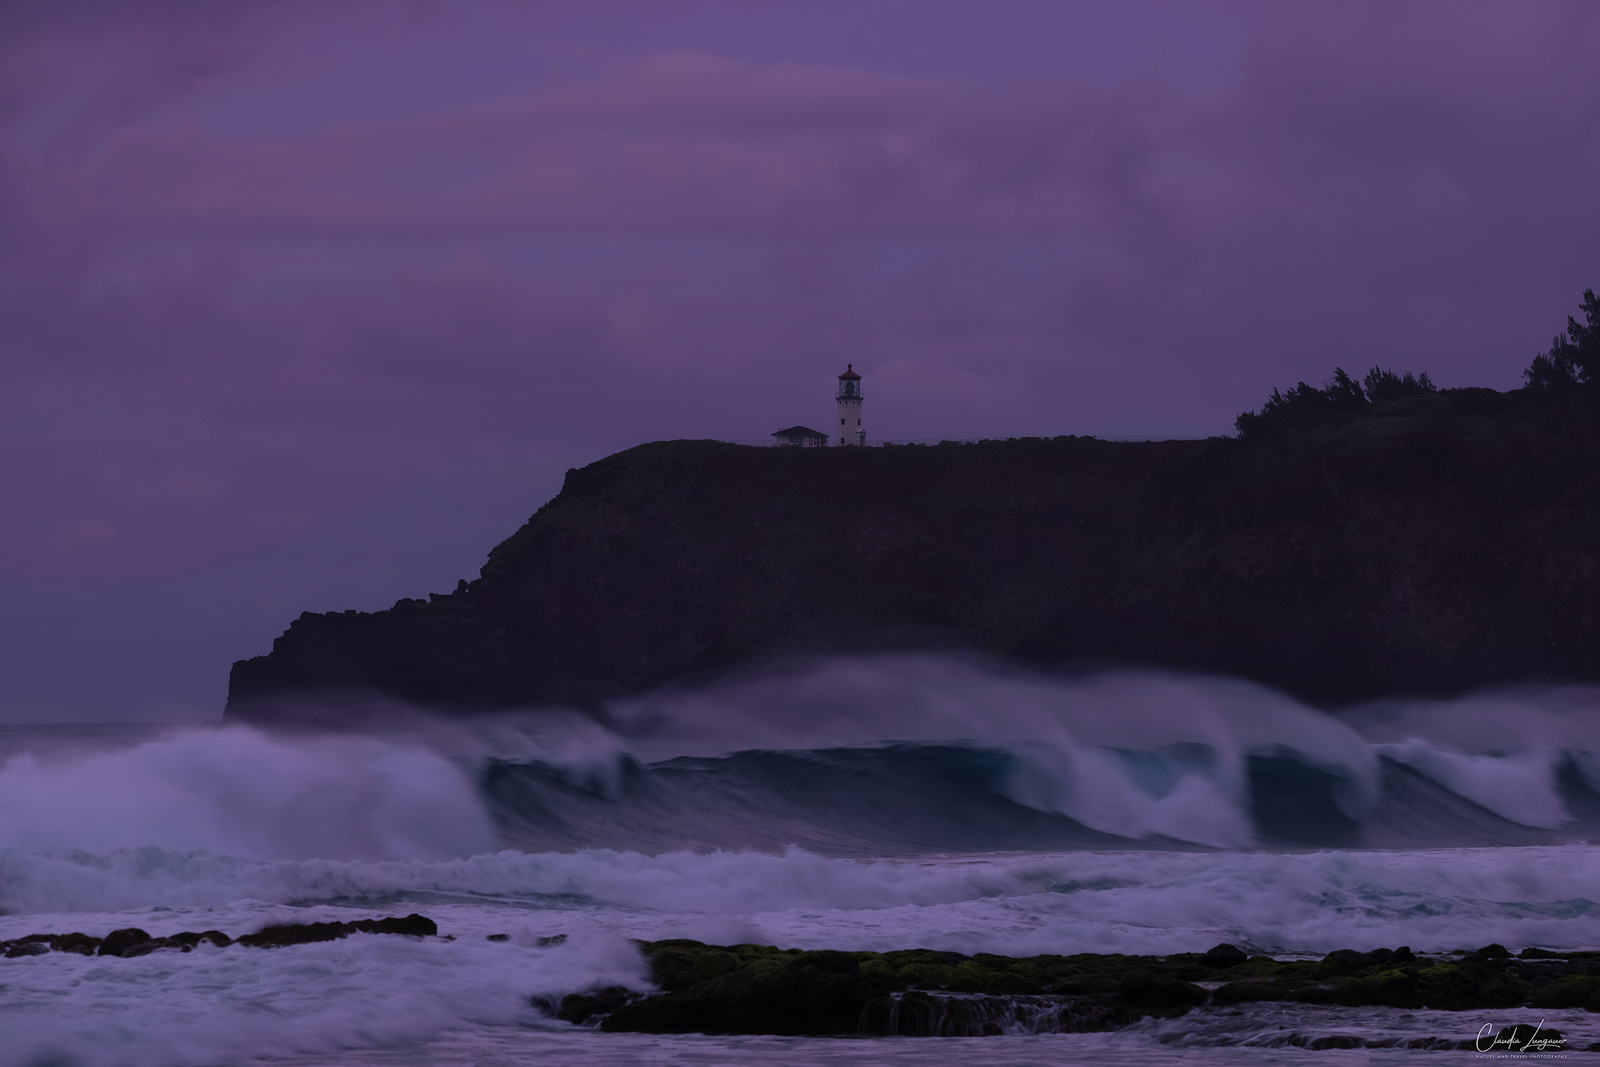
column 241, row 792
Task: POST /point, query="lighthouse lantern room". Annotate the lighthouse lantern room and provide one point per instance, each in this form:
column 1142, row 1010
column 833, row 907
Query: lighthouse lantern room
column 850, row 431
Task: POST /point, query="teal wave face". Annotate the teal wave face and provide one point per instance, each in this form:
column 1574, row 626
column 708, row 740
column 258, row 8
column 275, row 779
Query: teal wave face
column 909, row 799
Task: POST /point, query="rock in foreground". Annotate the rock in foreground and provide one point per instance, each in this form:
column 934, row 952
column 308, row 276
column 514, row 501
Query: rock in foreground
column 758, row 989
column 133, row 941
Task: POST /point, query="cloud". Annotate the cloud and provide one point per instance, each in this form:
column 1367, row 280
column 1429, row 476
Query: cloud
column 685, row 145
column 212, row 339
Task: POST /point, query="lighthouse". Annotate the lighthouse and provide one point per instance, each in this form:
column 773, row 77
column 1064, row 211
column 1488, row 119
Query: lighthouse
column 850, row 431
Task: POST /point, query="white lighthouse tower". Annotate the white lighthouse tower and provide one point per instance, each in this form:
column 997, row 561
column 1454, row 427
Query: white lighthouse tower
column 850, row 431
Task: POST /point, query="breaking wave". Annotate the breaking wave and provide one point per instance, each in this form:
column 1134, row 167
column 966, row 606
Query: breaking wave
column 902, row 755
column 877, row 756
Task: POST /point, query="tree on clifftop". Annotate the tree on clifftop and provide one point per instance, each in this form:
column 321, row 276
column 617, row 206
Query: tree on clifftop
column 1382, row 385
column 1305, row 407
column 1574, row 359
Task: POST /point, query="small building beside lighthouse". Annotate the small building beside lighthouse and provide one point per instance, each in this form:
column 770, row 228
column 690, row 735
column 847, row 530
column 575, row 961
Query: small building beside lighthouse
column 799, row 437
column 849, row 430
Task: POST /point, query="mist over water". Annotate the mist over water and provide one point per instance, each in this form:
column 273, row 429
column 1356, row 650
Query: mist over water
column 857, row 803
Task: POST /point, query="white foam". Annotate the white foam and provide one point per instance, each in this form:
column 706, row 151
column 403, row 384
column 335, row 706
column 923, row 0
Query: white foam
column 218, row 1006
column 1141, row 901
column 215, row 1005
column 241, row 792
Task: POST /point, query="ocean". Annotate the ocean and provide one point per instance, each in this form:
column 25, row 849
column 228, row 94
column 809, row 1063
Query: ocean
column 853, row 803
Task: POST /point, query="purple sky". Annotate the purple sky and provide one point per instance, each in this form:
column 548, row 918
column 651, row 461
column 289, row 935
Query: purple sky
column 306, row 304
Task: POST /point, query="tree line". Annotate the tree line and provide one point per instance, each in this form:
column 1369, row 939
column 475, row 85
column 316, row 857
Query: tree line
column 1572, row 365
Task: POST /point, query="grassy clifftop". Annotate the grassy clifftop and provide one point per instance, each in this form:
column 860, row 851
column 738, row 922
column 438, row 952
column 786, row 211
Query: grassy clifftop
column 1423, row 542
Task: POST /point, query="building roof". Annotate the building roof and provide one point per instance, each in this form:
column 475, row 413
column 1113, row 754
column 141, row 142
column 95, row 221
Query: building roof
column 849, row 374
column 798, row 431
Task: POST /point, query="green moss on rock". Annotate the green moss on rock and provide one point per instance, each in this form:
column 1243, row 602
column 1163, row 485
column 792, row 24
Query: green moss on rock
column 760, row 989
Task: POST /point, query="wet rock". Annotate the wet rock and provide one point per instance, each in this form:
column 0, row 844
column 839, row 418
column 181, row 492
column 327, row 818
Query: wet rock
column 1256, row 989
column 1464, row 986
column 294, row 934
column 26, row 948
column 184, row 942
column 1010, row 983
column 308, row 933
column 154, row 944
column 412, row 925
column 746, row 989
column 761, row 989
column 921, row 1014
column 1149, row 991
column 80, row 944
column 132, row 941
column 118, row 942
column 1224, row 956
column 188, row 939
column 1394, row 987
column 1572, row 991
column 1340, row 961
column 498, row 937
column 587, row 1008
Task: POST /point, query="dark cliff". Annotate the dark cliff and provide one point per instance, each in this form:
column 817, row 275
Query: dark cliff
column 1430, row 544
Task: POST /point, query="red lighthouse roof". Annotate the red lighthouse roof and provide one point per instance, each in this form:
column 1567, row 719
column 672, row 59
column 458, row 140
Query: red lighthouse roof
column 849, row 374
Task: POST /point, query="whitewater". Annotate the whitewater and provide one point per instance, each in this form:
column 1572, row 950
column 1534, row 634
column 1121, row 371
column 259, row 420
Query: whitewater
column 863, row 803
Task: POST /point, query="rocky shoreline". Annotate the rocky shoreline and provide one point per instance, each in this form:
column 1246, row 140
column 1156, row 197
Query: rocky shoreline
column 762, row 989
column 132, row 941
column 759, row 989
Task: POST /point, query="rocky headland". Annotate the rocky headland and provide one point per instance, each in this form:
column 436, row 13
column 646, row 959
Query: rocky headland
column 1349, row 544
